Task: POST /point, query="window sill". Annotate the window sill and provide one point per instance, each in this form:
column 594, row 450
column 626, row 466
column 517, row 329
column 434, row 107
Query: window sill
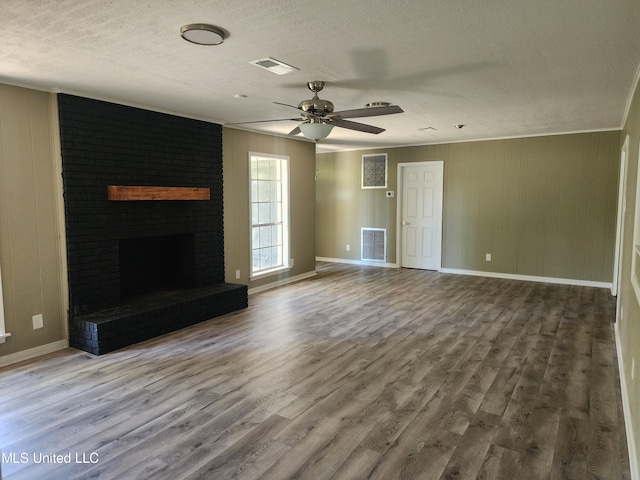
column 269, row 273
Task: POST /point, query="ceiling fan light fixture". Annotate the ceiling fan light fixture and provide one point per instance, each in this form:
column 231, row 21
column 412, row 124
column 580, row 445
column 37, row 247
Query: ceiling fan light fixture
column 316, row 131
column 202, row 34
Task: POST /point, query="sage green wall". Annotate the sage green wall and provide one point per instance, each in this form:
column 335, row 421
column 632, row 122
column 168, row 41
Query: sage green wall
column 628, row 324
column 236, row 147
column 30, row 224
column 543, row 206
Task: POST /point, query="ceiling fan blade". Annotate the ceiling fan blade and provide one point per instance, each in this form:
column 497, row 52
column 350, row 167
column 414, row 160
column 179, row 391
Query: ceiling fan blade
column 295, row 131
column 299, row 119
column 360, row 127
column 286, row 105
column 370, row 111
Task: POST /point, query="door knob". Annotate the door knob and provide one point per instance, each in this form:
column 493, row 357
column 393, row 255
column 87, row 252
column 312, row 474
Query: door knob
column 404, row 222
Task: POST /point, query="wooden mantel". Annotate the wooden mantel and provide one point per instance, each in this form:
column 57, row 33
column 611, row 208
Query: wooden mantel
column 133, row 193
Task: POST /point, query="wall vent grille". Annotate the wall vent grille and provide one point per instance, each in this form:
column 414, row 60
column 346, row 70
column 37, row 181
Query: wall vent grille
column 374, row 171
column 374, row 244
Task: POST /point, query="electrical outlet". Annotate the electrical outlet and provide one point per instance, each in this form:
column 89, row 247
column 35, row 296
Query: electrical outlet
column 38, row 321
column 237, row 274
column 487, row 257
column 348, row 247
column 292, row 262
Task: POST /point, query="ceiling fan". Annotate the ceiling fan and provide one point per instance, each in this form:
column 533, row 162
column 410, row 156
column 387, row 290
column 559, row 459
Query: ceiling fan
column 318, row 116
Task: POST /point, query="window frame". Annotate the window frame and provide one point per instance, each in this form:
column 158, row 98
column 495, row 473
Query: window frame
column 285, row 220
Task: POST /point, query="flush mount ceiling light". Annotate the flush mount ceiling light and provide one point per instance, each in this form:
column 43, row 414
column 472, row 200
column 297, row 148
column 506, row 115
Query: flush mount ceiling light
column 202, row 34
column 316, row 130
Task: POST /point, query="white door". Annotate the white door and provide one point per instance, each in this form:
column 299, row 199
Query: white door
column 421, row 215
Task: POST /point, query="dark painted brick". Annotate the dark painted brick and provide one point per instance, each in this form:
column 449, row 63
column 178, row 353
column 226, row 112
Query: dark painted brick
column 108, row 144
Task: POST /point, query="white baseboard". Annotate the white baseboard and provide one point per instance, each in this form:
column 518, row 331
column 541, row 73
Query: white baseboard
column 357, row 262
column 528, row 278
column 631, row 441
column 284, row 281
column 32, row 353
column 478, row 273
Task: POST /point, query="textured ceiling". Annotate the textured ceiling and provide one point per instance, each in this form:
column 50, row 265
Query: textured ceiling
column 501, row 67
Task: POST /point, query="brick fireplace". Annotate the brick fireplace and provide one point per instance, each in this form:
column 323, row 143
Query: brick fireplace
column 141, row 268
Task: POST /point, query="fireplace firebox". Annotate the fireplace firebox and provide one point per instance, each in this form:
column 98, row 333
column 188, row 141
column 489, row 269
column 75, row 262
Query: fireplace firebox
column 152, row 265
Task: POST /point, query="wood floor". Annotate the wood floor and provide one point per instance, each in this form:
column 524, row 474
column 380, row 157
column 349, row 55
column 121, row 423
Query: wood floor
column 360, row 372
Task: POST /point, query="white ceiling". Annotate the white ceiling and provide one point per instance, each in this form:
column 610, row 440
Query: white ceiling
column 501, row 67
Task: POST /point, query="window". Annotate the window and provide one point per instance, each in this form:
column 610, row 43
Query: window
column 269, row 190
column 374, row 171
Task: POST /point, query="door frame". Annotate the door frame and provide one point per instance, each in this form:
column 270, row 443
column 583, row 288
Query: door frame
column 400, row 203
column 622, row 207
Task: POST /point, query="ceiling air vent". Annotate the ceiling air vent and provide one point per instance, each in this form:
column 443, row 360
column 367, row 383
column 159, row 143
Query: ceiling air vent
column 273, row 65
